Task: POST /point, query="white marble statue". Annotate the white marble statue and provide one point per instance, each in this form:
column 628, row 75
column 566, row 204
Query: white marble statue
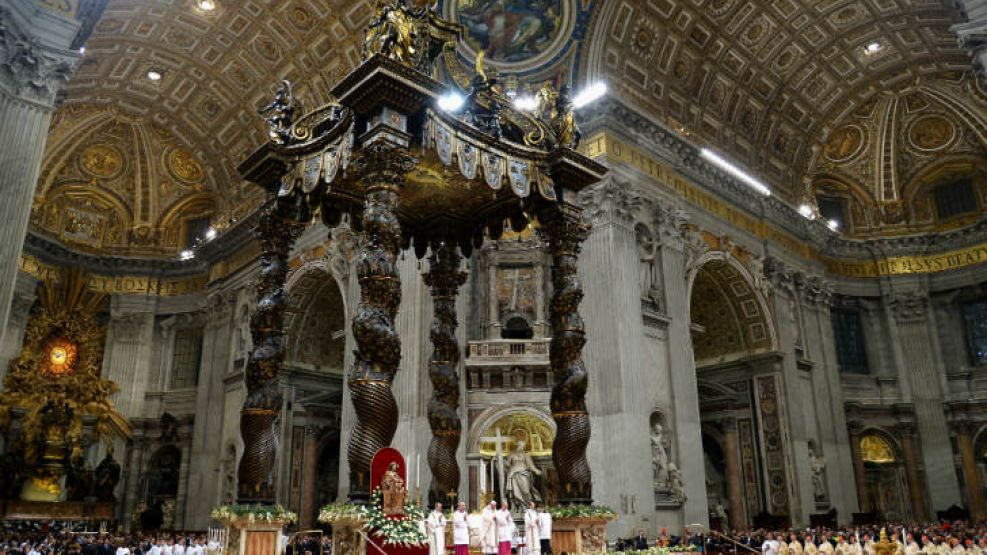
column 659, row 455
column 817, row 465
column 675, row 483
column 521, row 471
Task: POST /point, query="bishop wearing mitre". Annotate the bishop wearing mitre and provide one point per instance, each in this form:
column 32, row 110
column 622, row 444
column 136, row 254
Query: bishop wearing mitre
column 435, row 524
column 488, row 529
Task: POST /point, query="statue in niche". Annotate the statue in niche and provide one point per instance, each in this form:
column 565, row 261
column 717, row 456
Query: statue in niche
column 649, row 278
column 393, row 492
column 659, row 452
column 817, row 465
column 521, row 471
column 107, row 477
column 79, row 480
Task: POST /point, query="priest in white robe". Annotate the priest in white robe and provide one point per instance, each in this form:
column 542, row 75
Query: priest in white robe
column 461, row 530
column 505, row 529
column 488, row 529
column 531, row 539
column 435, row 525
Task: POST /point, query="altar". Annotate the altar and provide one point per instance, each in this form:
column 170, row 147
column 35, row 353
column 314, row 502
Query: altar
column 16, row 509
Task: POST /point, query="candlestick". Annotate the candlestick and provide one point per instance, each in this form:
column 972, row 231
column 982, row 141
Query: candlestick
column 418, row 471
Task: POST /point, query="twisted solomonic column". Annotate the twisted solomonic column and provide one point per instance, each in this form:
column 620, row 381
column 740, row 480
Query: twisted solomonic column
column 381, row 168
column 258, row 417
column 445, row 279
column 565, row 234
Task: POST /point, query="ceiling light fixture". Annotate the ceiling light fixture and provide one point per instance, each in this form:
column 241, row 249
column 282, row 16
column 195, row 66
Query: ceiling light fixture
column 210, row 234
column 186, row 254
column 154, row 75
column 206, row 5
column 82, row 50
column 873, row 48
column 807, row 211
column 451, row 101
column 590, row 94
column 735, row 171
column 833, row 224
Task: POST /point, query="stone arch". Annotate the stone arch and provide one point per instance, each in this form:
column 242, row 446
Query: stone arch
column 731, row 313
column 886, row 480
column 317, row 316
column 492, row 415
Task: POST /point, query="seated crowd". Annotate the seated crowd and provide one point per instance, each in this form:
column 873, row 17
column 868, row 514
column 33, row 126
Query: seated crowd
column 954, row 538
column 34, row 538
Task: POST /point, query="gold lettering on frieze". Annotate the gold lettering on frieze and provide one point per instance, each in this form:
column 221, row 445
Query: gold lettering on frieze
column 132, row 285
column 613, row 150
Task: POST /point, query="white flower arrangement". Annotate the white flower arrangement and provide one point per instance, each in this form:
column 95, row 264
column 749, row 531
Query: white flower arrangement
column 253, row 513
column 406, row 531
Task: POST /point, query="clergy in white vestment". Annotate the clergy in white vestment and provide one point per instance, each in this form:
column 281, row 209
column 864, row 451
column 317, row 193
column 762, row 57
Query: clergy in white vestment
column 912, row 548
column 531, row 538
column 545, row 532
column 179, row 548
column 488, row 529
column 505, row 529
column 461, row 530
column 435, row 524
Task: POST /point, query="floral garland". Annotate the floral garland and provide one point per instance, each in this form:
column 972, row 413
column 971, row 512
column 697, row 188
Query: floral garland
column 407, row 531
column 582, row 511
column 253, row 513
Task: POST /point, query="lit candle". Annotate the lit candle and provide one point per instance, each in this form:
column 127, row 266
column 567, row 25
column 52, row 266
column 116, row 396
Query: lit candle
column 483, row 477
column 418, row 471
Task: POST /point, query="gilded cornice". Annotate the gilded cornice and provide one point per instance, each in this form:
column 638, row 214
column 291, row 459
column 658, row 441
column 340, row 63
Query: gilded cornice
column 617, row 134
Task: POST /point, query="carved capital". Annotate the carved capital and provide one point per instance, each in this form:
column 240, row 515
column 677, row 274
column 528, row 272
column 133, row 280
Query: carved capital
column 854, row 428
column 610, row 201
column 965, row 427
column 671, row 221
column 728, row 424
column 910, row 306
column 29, row 70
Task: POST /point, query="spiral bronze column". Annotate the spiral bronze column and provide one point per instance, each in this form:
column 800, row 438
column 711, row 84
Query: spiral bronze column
column 256, row 476
column 381, row 168
column 565, row 234
column 445, row 279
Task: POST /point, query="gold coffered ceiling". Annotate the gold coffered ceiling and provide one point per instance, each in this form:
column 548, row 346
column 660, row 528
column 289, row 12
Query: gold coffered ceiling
column 769, row 83
column 217, row 68
column 765, row 81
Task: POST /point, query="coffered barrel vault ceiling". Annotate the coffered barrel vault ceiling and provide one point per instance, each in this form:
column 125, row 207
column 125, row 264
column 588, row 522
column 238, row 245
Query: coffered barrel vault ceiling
column 768, row 83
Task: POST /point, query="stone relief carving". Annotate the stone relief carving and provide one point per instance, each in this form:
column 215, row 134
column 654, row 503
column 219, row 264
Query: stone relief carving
column 228, row 475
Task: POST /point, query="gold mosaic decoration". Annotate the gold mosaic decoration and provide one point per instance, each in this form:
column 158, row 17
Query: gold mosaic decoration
column 875, row 449
column 60, row 363
column 184, row 165
column 520, row 426
column 102, row 161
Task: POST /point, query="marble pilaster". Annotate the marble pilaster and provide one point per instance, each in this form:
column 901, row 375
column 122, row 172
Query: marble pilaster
column 915, row 351
column 859, row 473
column 34, row 64
column 127, row 358
column 673, row 258
column 310, row 470
column 735, row 495
column 619, row 398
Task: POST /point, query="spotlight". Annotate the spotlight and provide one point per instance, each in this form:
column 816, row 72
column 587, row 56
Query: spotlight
column 82, row 50
column 526, row 103
column 186, row 254
column 590, row 94
column 807, row 211
column 210, row 234
column 873, row 48
column 735, row 171
column 206, row 5
column 451, row 101
column 833, row 224
column 154, row 75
